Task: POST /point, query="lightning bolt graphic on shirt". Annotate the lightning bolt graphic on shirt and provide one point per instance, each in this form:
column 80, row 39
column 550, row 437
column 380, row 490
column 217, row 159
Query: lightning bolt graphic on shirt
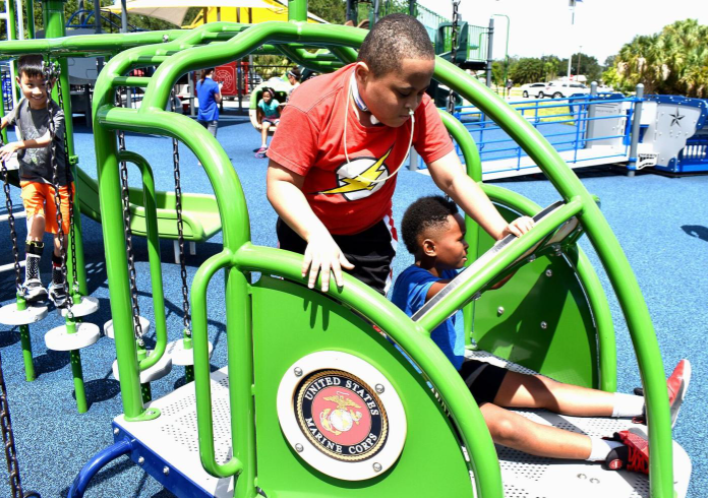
column 364, row 181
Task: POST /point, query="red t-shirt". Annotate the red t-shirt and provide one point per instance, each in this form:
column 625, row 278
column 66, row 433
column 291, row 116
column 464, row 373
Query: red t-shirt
column 310, row 142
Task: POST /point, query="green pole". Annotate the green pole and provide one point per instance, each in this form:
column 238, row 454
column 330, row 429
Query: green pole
column 297, row 10
column 30, row 19
column 12, row 32
column 26, row 343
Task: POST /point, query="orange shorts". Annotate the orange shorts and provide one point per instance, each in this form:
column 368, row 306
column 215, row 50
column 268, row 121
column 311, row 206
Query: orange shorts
column 38, row 199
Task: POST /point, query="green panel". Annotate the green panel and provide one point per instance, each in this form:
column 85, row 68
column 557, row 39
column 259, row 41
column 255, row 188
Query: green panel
column 291, row 321
column 567, row 348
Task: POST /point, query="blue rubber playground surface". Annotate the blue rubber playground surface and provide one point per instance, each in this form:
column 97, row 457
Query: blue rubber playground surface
column 661, row 223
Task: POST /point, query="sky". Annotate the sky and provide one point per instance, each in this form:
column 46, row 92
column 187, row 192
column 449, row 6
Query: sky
column 543, row 27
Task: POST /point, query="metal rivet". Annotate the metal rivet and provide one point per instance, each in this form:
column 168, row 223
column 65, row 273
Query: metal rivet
column 532, row 258
column 298, row 371
column 116, row 431
column 549, row 273
column 544, row 325
column 299, row 448
column 379, row 388
column 377, row 467
column 582, row 476
column 595, row 480
column 141, row 343
column 165, row 470
column 141, row 460
column 500, row 310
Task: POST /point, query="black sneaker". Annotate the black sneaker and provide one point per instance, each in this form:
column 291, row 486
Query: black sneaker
column 33, row 290
column 57, row 295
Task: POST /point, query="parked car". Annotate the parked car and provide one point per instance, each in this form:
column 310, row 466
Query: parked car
column 533, row 90
column 563, row 89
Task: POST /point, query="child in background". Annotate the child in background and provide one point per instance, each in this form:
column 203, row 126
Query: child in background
column 294, row 77
column 209, row 95
column 268, row 114
column 433, row 232
column 32, row 115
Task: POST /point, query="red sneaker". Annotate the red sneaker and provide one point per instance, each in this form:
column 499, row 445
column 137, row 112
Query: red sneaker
column 633, row 456
column 677, row 384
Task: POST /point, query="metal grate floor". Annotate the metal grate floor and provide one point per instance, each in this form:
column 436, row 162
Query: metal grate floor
column 528, row 476
column 173, row 436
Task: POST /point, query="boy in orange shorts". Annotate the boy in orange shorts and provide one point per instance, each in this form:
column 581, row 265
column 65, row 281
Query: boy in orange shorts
column 32, row 115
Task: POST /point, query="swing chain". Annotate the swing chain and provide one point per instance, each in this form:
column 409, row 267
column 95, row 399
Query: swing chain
column 125, row 197
column 180, row 228
column 51, row 71
column 11, row 221
column 453, row 50
column 67, row 163
column 8, row 440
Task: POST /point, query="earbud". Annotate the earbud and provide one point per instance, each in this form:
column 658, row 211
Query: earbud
column 410, row 112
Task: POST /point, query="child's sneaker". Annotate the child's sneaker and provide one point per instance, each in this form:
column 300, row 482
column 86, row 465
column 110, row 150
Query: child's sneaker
column 33, row 290
column 633, row 456
column 261, row 152
column 57, row 294
column 677, row 385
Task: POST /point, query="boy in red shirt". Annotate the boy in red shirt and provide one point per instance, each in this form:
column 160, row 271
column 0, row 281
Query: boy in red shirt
column 341, row 141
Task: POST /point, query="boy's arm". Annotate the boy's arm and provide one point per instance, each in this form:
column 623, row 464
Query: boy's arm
column 448, row 174
column 284, row 191
column 33, row 143
column 3, row 123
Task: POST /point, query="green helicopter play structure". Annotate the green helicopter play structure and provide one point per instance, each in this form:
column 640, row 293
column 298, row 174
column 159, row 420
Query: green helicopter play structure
column 247, row 429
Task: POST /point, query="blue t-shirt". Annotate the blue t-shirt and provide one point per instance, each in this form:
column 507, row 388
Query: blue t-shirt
column 270, row 110
column 206, row 92
column 409, row 294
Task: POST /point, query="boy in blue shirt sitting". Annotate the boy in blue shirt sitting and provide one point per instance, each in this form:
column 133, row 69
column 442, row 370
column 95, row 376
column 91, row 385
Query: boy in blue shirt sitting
column 434, row 232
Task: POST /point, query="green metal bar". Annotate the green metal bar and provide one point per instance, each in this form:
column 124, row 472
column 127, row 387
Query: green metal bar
column 610, row 253
column 460, row 295
column 134, row 81
column 153, row 240
column 591, row 284
column 12, row 31
column 30, row 19
column 79, row 388
column 414, row 341
column 297, row 10
column 201, row 368
column 345, row 54
column 312, row 63
column 26, row 343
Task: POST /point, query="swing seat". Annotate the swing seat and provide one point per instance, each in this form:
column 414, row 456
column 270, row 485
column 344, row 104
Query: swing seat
column 531, row 476
column 108, row 327
column 85, row 307
column 10, row 315
column 159, row 370
column 183, row 357
column 59, row 339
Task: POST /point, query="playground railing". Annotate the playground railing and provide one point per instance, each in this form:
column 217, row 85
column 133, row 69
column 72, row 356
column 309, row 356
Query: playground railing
column 570, row 124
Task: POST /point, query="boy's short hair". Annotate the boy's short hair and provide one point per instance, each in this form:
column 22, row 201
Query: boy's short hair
column 425, row 213
column 392, row 39
column 31, row 65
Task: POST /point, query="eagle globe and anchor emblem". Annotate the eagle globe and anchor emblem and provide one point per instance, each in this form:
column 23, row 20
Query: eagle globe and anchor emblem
column 341, row 415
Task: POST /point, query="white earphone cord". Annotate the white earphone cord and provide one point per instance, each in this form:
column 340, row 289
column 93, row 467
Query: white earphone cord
column 408, row 150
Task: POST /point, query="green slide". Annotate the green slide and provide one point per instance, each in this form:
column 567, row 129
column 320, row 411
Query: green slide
column 199, row 211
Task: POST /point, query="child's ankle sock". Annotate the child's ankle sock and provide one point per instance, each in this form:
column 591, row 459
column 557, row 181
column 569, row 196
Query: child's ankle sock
column 601, row 449
column 33, row 255
column 57, row 275
column 627, row 406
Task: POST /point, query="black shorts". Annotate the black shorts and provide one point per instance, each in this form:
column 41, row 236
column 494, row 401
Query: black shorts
column 482, row 379
column 371, row 252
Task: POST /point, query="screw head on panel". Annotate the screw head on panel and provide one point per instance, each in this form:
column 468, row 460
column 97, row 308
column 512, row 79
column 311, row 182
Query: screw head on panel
column 379, row 388
column 377, row 467
column 299, row 448
column 298, row 371
column 544, row 325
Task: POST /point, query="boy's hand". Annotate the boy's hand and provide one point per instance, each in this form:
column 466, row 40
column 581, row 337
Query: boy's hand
column 8, row 150
column 322, row 256
column 518, row 227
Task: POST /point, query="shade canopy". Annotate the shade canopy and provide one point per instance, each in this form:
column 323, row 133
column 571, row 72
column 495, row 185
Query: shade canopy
column 174, row 10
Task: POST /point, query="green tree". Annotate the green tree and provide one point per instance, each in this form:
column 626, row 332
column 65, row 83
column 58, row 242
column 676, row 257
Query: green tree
column 674, row 61
column 528, row 70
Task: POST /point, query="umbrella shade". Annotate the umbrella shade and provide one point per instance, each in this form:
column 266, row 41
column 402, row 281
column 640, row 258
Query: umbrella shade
column 174, row 10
